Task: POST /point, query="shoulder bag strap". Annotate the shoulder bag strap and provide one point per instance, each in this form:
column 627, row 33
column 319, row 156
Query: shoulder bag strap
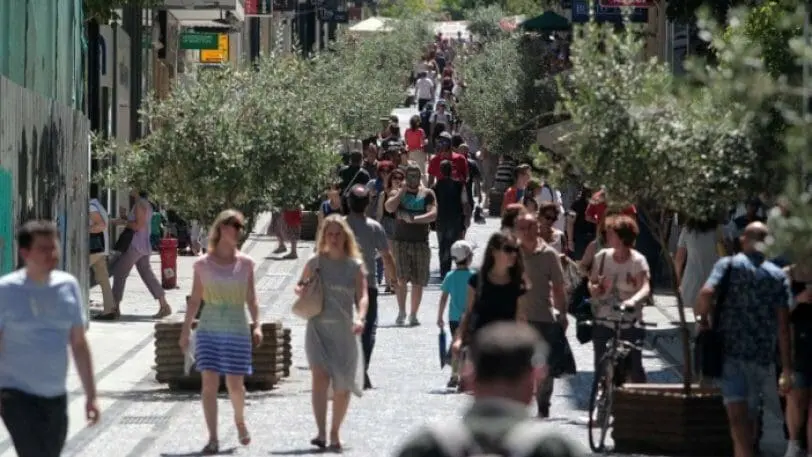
column 352, row 181
column 602, row 262
column 721, row 294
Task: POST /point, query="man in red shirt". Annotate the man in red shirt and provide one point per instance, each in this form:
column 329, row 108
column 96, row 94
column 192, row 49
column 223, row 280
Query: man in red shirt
column 597, row 207
column 459, row 163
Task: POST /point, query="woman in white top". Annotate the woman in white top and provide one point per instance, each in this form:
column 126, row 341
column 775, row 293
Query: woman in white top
column 619, row 276
column 99, row 250
column 548, row 215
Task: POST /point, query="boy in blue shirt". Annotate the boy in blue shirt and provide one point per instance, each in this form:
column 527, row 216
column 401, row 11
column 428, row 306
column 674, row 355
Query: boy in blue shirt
column 455, row 284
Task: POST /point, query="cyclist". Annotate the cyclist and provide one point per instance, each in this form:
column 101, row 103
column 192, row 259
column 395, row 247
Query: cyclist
column 619, row 276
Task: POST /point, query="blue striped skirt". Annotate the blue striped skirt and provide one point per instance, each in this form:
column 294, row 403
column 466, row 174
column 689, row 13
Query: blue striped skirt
column 224, row 353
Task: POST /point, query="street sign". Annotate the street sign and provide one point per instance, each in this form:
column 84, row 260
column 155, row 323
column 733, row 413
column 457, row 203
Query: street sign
column 330, row 15
column 631, row 3
column 199, row 41
column 580, row 13
column 219, row 55
column 258, row 8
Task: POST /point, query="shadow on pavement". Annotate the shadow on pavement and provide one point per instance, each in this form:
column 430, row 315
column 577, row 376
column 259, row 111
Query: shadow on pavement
column 229, row 451
column 311, row 451
column 581, row 385
column 161, row 395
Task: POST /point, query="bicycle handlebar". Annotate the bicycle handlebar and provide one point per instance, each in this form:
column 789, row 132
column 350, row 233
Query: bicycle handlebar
column 639, row 322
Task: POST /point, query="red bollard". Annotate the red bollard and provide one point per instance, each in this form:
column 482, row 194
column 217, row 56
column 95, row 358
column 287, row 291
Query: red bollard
column 169, row 263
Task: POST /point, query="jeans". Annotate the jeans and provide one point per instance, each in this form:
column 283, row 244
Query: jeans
column 378, row 270
column 37, row 425
column 370, row 328
column 447, row 236
column 745, row 381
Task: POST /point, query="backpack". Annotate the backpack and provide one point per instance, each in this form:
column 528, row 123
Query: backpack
column 456, row 440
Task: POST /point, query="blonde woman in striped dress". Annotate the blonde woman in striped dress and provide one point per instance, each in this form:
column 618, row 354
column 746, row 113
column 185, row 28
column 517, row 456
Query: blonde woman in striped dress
column 224, row 281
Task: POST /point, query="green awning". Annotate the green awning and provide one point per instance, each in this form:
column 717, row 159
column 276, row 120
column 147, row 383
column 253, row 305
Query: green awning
column 546, row 22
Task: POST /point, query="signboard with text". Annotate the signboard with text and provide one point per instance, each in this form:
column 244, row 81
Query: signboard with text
column 331, row 15
column 219, row 55
column 199, row 41
column 602, row 14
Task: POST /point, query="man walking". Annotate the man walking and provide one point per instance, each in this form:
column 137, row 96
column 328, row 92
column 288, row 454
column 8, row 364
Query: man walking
column 451, row 214
column 508, row 358
column 546, row 275
column 41, row 314
column 753, row 315
column 415, row 208
column 372, row 240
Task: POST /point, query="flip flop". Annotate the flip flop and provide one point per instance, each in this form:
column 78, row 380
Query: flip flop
column 243, row 434
column 319, row 443
column 211, row 448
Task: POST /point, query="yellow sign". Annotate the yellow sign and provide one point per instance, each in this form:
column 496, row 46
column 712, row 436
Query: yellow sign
column 219, row 55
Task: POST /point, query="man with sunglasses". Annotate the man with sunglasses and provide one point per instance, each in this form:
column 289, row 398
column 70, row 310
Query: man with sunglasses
column 459, row 163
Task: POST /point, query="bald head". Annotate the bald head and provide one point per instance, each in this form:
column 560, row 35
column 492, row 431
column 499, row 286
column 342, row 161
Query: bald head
column 753, row 237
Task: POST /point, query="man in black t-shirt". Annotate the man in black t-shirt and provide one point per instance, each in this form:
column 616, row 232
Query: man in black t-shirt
column 451, row 214
column 473, row 183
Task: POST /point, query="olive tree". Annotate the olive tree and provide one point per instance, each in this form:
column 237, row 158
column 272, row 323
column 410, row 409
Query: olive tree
column 234, row 138
column 636, row 131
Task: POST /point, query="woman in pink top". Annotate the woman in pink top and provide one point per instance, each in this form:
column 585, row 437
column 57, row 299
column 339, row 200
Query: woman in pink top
column 415, row 141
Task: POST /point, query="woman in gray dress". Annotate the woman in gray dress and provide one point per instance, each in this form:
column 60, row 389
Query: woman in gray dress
column 330, row 338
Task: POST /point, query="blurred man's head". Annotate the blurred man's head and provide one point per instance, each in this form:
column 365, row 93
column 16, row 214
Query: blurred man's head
column 507, row 358
column 754, row 236
column 38, row 243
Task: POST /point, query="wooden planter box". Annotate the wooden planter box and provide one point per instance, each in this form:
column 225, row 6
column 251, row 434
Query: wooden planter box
column 310, row 223
column 495, row 202
column 658, row 419
column 271, row 361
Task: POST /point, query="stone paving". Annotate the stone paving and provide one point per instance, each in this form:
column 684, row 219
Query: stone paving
column 142, row 418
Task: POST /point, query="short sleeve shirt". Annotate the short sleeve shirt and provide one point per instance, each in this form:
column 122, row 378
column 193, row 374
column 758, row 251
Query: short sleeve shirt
column 544, row 270
column 371, row 239
column 36, row 321
column 755, row 291
column 455, row 284
column 624, row 276
column 495, row 302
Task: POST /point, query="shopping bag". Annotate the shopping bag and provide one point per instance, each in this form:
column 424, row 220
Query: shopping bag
column 443, row 349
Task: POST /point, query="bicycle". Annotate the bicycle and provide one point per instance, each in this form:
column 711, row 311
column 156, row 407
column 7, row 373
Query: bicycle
column 610, row 375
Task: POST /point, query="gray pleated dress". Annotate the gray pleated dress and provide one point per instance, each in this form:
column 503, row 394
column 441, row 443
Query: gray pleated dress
column 329, row 341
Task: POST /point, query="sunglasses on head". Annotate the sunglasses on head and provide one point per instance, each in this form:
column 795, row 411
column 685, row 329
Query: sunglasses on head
column 550, row 217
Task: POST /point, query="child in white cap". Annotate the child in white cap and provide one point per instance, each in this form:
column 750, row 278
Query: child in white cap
column 455, row 284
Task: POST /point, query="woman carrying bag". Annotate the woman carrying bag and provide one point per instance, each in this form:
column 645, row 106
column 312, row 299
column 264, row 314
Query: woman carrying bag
column 331, row 342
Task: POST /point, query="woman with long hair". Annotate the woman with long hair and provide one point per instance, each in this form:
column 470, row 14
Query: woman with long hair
column 330, row 338
column 388, row 220
column 698, row 248
column 224, row 281
column 619, row 277
column 510, row 215
column 496, row 290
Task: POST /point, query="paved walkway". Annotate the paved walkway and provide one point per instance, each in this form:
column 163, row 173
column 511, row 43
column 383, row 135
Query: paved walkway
column 142, row 418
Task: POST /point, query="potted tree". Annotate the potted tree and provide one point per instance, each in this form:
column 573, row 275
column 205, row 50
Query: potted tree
column 687, row 150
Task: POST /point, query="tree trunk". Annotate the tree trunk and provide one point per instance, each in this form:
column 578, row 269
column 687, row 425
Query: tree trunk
column 659, row 231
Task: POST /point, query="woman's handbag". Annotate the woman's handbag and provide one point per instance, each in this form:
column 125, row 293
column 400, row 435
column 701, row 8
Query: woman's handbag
column 124, row 240
column 709, row 345
column 311, row 302
column 96, row 243
column 561, row 360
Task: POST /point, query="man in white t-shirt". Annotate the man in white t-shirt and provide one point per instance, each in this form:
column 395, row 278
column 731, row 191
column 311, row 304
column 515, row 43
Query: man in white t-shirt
column 424, row 90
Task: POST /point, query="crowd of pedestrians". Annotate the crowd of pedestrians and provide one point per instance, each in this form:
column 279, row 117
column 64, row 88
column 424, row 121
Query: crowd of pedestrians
column 507, row 317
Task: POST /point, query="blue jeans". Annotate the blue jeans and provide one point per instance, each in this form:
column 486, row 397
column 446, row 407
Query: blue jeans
column 379, row 270
column 745, row 381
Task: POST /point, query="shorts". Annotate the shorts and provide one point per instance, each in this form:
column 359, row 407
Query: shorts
column 744, row 381
column 279, row 225
column 412, row 261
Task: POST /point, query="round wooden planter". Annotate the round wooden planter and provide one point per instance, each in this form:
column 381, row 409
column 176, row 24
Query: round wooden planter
column 659, row 419
column 310, row 223
column 495, row 203
column 271, row 360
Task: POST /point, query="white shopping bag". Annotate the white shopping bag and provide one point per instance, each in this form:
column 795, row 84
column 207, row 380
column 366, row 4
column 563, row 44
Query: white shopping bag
column 189, row 356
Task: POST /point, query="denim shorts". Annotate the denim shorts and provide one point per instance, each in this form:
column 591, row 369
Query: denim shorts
column 744, row 381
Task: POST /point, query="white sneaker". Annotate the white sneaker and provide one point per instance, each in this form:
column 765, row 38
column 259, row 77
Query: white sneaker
column 401, row 319
column 793, row 449
column 413, row 320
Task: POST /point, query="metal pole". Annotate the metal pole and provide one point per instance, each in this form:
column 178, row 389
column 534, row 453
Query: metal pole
column 254, row 33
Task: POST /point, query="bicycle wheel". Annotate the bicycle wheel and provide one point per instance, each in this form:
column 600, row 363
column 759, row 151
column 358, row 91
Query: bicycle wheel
column 600, row 409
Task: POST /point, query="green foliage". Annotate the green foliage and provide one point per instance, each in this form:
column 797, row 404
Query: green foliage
column 404, row 9
column 253, row 139
column 689, row 151
column 484, row 23
column 105, row 10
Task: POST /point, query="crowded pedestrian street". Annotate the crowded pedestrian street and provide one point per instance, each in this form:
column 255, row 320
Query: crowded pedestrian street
column 143, row 418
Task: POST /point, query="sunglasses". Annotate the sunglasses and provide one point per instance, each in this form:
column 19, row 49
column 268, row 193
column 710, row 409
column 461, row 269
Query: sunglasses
column 550, row 217
column 397, row 178
column 509, row 249
column 236, row 224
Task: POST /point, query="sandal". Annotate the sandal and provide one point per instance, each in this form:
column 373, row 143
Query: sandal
column 319, row 442
column 335, row 448
column 243, row 434
column 163, row 312
column 211, row 448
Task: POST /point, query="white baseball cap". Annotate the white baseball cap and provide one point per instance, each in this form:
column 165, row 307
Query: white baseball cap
column 461, row 250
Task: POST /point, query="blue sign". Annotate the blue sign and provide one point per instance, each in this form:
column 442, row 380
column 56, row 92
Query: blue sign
column 580, row 13
column 7, row 259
